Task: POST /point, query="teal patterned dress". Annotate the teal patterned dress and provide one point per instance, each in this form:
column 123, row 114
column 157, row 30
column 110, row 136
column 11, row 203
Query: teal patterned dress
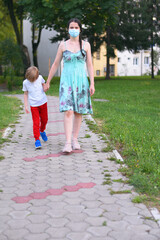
column 74, row 91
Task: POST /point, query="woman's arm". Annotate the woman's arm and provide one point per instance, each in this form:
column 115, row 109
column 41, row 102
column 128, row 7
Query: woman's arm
column 90, row 68
column 26, row 101
column 54, row 65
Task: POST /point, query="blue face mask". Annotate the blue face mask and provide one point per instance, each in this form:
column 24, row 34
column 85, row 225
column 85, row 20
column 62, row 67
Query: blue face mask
column 74, row 32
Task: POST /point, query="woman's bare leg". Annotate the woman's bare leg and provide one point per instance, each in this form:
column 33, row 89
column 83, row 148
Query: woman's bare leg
column 76, row 125
column 68, row 125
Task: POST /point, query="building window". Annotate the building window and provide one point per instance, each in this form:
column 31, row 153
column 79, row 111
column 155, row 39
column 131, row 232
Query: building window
column 105, row 69
column 98, row 72
column 119, row 59
column 98, row 55
column 112, row 70
column 146, row 60
column 135, row 61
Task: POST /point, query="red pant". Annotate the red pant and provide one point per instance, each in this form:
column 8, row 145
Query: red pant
column 40, row 119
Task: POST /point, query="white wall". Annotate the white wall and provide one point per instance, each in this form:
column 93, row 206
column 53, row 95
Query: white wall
column 46, row 49
column 126, row 66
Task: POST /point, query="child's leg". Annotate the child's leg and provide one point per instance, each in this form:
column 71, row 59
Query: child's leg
column 43, row 117
column 36, row 122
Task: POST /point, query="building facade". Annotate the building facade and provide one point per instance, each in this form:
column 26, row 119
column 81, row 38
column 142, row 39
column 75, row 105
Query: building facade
column 99, row 63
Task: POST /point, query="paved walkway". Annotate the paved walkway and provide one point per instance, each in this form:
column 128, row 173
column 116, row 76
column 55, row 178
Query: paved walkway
column 49, row 196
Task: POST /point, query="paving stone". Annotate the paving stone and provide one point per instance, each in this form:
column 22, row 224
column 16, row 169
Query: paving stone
column 18, row 234
column 57, row 222
column 155, row 232
column 3, row 237
column 76, row 217
column 18, row 224
column 134, row 220
column 39, row 209
column 37, row 228
column 57, row 213
column 56, row 205
column 41, row 236
column 58, row 232
column 38, row 218
column 99, row 231
column 5, row 211
column 77, row 226
column 19, row 214
column 91, row 204
column 114, row 216
column 130, row 210
column 96, row 221
column 79, row 236
column 74, row 208
column 94, row 212
column 73, row 201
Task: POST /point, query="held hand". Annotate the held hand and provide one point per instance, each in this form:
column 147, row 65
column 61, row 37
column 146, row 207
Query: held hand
column 46, row 87
column 92, row 90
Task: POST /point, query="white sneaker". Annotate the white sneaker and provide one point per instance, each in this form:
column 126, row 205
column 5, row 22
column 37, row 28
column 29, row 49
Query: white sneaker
column 75, row 145
column 67, row 148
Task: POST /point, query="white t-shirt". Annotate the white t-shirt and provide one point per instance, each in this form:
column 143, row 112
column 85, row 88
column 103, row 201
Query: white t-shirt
column 36, row 95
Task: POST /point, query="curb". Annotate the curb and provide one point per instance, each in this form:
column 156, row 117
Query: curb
column 7, row 131
column 154, row 211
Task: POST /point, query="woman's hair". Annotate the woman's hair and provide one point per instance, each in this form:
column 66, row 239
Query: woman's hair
column 76, row 20
column 32, row 73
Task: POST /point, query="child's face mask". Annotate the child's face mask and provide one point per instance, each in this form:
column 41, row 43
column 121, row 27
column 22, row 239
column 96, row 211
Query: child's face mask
column 74, row 32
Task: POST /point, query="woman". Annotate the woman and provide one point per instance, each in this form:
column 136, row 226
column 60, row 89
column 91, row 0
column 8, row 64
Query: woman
column 74, row 87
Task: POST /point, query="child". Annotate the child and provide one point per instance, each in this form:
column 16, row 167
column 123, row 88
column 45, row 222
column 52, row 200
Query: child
column 33, row 88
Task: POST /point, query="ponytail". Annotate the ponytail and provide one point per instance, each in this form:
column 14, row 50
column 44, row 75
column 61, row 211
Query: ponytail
column 80, row 43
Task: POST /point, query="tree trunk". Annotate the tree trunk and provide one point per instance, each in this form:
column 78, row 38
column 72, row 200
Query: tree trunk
column 107, row 55
column 152, row 56
column 19, row 34
column 35, row 44
column 14, row 21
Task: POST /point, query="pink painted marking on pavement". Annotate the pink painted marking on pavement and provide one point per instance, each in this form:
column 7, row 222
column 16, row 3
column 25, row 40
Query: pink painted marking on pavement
column 71, row 188
column 55, row 192
column 52, row 192
column 42, row 157
column 51, row 155
column 22, row 199
column 51, row 134
column 86, row 185
column 30, row 159
column 40, row 195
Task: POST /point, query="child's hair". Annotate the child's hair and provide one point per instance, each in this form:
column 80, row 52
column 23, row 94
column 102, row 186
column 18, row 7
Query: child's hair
column 32, row 73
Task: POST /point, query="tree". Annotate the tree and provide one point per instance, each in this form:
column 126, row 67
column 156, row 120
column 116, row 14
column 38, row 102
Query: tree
column 16, row 12
column 139, row 25
column 41, row 16
column 98, row 18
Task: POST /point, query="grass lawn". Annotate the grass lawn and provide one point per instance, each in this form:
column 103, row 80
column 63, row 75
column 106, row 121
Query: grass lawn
column 9, row 109
column 131, row 119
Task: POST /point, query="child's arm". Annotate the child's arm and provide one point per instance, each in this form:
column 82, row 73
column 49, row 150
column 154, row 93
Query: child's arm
column 26, row 101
